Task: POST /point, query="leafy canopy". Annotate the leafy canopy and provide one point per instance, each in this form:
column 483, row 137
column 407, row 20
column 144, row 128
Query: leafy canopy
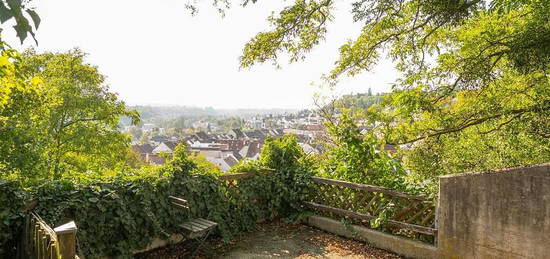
column 58, row 116
column 469, row 70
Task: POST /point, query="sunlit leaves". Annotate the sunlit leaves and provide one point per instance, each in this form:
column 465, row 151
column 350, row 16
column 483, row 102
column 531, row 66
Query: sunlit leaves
column 57, row 116
column 296, row 30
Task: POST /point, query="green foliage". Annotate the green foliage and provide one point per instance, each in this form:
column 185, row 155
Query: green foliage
column 57, row 116
column 356, row 157
column 12, row 198
column 473, row 75
column 356, row 103
column 205, row 165
column 20, row 12
column 296, row 30
column 469, row 151
column 24, row 103
column 293, row 169
column 124, row 211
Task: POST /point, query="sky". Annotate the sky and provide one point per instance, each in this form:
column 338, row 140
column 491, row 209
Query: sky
column 156, row 53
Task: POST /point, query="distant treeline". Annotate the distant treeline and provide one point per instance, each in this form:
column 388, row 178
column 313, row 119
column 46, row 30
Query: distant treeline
column 362, row 100
column 184, row 115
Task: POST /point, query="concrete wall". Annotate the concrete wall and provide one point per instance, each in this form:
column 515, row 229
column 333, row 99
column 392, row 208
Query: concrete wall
column 499, row 214
column 399, row 245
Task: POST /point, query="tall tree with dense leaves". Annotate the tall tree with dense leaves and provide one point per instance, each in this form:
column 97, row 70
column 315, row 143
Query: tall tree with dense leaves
column 470, row 70
column 62, row 118
column 24, row 103
column 83, row 124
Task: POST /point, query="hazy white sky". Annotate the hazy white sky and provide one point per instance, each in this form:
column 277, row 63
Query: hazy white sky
column 155, row 52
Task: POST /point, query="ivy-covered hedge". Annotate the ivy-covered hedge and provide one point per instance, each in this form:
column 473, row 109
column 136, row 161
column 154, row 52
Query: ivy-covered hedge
column 12, row 198
column 119, row 214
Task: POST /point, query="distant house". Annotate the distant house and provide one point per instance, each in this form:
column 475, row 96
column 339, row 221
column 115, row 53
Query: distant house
column 203, row 136
column 224, row 160
column 272, row 132
column 313, row 127
column 228, row 162
column 165, row 147
column 232, row 144
column 251, row 151
column 155, row 159
column 308, row 149
column 158, row 139
column 236, row 134
column 143, row 150
column 236, row 155
column 256, row 123
column 254, row 134
column 147, row 127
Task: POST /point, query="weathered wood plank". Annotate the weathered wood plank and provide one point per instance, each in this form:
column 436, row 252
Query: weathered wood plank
column 189, row 227
column 428, row 217
column 365, row 187
column 178, row 200
column 192, row 228
column 418, row 214
column 179, row 206
column 351, row 214
column 66, row 236
column 200, row 224
column 210, row 223
column 405, row 210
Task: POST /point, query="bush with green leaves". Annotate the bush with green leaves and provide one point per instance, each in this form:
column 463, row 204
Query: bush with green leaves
column 124, row 212
column 356, row 157
column 12, row 198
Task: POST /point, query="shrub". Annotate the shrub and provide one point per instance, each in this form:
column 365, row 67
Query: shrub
column 124, row 212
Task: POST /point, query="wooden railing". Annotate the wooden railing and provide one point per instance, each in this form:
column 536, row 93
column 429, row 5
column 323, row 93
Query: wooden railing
column 397, row 213
column 40, row 241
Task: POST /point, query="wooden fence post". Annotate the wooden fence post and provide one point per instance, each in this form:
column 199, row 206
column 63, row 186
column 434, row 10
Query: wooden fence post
column 66, row 235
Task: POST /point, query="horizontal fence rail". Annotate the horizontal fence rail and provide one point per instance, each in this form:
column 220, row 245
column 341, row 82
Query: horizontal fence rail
column 375, row 207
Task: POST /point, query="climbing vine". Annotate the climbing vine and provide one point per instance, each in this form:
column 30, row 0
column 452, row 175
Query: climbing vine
column 118, row 214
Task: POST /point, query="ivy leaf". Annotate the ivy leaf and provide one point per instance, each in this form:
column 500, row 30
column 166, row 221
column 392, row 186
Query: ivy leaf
column 94, row 200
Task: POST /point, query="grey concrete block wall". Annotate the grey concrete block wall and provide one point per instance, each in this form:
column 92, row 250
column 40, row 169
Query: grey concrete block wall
column 399, row 245
column 498, row 214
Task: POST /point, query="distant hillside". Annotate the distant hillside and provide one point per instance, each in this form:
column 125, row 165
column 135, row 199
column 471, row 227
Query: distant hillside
column 360, row 100
column 171, row 114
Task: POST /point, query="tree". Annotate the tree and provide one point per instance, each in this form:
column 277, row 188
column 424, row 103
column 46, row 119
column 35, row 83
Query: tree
column 356, row 157
column 469, row 69
column 62, row 116
column 24, row 102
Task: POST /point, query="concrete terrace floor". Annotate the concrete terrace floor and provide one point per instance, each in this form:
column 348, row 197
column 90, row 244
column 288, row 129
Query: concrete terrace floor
column 277, row 240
